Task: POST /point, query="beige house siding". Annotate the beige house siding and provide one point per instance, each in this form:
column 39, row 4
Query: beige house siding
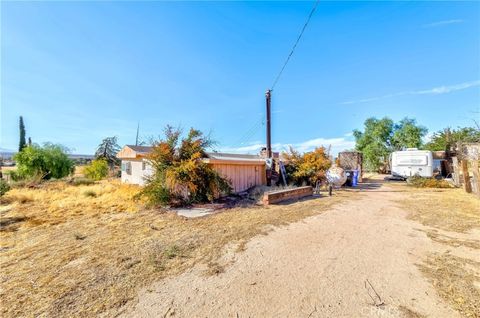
column 242, row 176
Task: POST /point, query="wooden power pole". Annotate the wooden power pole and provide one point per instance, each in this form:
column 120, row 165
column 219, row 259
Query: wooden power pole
column 269, row 137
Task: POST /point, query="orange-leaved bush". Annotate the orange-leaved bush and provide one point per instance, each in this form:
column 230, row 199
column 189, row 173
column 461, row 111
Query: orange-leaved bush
column 180, row 176
column 308, row 168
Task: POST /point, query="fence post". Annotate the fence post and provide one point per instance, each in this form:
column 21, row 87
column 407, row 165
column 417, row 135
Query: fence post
column 466, row 177
column 476, row 177
column 456, row 171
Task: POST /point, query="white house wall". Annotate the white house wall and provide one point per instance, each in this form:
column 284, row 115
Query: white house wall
column 137, row 174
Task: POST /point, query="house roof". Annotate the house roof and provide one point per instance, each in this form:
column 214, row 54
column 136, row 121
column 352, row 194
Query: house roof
column 140, row 149
column 135, row 152
column 231, row 156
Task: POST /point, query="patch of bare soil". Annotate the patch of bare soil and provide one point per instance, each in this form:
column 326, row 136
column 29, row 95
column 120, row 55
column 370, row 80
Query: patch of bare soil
column 358, row 259
column 84, row 251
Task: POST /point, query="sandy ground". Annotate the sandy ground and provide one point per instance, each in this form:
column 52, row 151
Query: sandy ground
column 355, row 260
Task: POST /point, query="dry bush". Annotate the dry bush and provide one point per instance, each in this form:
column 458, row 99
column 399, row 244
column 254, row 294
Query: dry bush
column 74, row 256
column 420, row 182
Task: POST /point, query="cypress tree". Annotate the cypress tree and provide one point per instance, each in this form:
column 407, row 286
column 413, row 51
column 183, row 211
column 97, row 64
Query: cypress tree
column 23, row 142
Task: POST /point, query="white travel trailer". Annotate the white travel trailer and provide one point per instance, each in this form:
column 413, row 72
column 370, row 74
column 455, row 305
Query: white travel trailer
column 412, row 162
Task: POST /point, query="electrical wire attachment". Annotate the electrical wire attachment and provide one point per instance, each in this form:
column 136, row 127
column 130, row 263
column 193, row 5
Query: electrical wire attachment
column 296, row 43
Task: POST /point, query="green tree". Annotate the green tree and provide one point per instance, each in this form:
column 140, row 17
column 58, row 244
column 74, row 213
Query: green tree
column 97, row 169
column 4, row 187
column 382, row 136
column 445, row 139
column 407, row 134
column 375, row 142
column 49, row 161
column 22, row 144
column 108, row 150
column 180, row 176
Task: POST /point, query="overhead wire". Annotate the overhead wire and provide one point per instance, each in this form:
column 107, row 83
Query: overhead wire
column 295, row 45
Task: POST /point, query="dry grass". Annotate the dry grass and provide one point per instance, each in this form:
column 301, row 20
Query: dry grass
column 453, row 241
column 449, row 209
column 456, row 280
column 66, row 254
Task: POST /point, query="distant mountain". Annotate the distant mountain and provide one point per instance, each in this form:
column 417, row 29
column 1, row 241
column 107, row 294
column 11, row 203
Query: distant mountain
column 8, row 154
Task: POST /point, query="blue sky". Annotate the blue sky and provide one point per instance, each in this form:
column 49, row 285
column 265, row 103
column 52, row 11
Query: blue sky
column 81, row 71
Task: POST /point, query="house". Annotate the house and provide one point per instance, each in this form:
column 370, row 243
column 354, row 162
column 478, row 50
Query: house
column 242, row 170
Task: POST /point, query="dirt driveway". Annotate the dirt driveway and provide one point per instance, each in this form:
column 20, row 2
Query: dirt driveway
column 358, row 259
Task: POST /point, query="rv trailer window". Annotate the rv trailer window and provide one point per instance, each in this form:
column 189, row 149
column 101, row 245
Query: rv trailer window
column 412, row 160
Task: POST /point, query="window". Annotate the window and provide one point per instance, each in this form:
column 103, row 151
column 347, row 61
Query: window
column 127, row 167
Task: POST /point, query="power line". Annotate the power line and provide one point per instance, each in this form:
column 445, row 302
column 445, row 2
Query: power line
column 251, row 131
column 296, row 43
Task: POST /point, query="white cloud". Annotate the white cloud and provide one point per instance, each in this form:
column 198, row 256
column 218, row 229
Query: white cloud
column 337, row 145
column 440, row 23
column 432, row 91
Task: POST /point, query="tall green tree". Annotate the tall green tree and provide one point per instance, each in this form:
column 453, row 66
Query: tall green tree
column 445, row 139
column 407, row 134
column 108, row 150
column 22, row 144
column 375, row 142
column 382, row 136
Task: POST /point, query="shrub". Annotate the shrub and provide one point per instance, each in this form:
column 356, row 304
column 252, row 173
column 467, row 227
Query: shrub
column 4, row 187
column 97, row 169
column 90, row 193
column 420, row 182
column 180, row 176
column 81, row 181
column 49, row 161
column 307, row 168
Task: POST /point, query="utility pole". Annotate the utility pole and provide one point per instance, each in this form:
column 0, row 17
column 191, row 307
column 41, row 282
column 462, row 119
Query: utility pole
column 269, row 138
column 136, row 139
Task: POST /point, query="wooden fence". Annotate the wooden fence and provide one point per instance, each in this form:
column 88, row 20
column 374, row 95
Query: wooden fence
column 466, row 171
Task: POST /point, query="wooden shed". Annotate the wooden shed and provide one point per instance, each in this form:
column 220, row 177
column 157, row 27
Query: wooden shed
column 242, row 170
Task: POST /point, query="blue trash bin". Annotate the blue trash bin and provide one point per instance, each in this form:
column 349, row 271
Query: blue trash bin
column 355, row 178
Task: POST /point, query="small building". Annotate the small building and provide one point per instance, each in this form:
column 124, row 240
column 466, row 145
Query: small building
column 242, row 170
column 351, row 160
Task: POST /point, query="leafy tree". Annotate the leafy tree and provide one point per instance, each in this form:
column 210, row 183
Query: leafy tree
column 108, row 150
column 180, row 175
column 375, row 142
column 97, row 169
column 307, row 168
column 382, row 136
column 49, row 161
column 445, row 139
column 407, row 134
column 4, row 187
column 22, row 144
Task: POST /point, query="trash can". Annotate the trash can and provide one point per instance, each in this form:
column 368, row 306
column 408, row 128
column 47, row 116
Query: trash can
column 355, row 178
column 349, row 181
